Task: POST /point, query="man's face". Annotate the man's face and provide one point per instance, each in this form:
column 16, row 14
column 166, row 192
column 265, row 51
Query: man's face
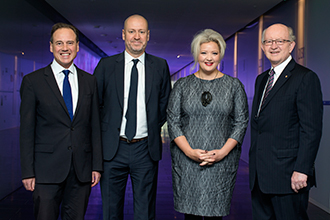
column 136, row 35
column 275, row 53
column 64, row 46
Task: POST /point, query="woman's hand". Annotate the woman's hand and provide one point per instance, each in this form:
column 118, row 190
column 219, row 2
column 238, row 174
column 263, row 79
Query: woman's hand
column 195, row 154
column 211, row 157
column 214, row 156
column 205, row 157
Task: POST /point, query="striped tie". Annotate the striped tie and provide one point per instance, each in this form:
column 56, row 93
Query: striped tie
column 269, row 85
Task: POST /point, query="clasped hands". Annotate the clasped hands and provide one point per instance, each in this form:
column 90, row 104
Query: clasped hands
column 206, row 158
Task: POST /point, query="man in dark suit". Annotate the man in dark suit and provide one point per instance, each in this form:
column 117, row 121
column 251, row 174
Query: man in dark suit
column 60, row 141
column 286, row 127
column 133, row 88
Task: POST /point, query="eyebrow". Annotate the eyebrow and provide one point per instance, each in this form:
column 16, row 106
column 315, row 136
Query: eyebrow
column 60, row 41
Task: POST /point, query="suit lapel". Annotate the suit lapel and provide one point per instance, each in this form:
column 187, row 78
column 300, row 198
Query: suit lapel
column 50, row 79
column 148, row 76
column 119, row 78
column 262, row 86
column 285, row 75
column 81, row 87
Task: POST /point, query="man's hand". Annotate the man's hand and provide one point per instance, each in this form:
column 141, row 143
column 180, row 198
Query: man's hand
column 29, row 184
column 96, row 176
column 298, row 181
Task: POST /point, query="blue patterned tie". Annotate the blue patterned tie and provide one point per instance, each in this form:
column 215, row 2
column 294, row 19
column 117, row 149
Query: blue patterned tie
column 67, row 96
column 130, row 129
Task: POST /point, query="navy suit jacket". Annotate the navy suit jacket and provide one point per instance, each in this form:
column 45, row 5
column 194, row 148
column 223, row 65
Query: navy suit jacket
column 285, row 136
column 110, row 78
column 50, row 142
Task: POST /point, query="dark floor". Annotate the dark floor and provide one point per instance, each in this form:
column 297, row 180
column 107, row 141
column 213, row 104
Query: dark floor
column 18, row 205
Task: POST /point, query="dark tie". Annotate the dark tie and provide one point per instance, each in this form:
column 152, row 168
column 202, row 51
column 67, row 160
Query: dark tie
column 131, row 108
column 269, row 85
column 67, row 96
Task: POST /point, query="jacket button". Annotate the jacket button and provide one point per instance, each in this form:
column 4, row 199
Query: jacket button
column 69, row 148
column 72, row 128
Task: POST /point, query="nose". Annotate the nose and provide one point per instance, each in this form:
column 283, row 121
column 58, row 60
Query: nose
column 65, row 46
column 208, row 56
column 274, row 44
column 137, row 35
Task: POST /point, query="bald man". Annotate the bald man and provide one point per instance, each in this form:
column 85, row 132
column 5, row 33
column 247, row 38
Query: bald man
column 134, row 88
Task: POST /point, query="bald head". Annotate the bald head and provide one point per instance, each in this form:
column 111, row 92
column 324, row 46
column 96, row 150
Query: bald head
column 136, row 35
column 135, row 18
column 279, row 28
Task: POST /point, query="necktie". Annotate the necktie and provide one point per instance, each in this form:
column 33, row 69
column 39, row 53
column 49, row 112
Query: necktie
column 130, row 129
column 67, row 96
column 269, row 85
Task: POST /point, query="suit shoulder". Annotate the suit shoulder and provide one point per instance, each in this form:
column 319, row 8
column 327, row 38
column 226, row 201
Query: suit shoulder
column 302, row 71
column 83, row 72
column 37, row 73
column 110, row 58
column 156, row 59
column 107, row 63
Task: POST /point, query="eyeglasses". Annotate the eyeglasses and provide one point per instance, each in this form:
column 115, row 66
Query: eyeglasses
column 206, row 98
column 277, row 41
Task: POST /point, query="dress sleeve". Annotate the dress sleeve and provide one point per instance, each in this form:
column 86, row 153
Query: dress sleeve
column 174, row 110
column 240, row 112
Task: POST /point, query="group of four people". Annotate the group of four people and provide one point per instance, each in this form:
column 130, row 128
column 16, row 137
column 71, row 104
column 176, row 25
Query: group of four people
column 76, row 126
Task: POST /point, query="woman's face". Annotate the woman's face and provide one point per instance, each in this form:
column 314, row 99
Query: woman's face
column 209, row 57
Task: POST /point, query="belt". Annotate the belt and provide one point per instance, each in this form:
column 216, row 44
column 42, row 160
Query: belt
column 133, row 140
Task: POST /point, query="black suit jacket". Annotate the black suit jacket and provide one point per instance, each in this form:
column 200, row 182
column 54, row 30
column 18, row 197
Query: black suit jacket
column 286, row 135
column 49, row 141
column 110, row 78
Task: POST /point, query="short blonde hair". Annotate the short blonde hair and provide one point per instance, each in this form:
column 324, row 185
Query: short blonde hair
column 206, row 36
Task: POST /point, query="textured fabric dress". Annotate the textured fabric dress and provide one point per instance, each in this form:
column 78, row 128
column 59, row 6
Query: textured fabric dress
column 206, row 191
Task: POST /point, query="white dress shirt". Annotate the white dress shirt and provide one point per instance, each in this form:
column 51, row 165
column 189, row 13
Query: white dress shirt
column 73, row 79
column 141, row 114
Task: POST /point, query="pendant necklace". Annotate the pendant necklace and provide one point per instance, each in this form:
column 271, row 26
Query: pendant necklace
column 206, row 97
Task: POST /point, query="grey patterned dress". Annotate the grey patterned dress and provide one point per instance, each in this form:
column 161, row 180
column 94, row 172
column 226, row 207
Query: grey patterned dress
column 206, row 191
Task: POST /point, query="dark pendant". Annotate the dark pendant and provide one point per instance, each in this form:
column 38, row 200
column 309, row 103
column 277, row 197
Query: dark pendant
column 206, row 98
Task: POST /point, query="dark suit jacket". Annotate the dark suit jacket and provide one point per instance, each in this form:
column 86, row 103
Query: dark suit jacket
column 110, row 78
column 49, row 141
column 286, row 135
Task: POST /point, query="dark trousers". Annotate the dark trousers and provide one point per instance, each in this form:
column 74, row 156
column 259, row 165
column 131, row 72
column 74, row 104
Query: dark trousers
column 131, row 159
column 279, row 207
column 72, row 195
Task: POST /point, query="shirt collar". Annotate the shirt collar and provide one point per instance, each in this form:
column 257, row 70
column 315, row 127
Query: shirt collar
column 279, row 69
column 57, row 68
column 129, row 58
